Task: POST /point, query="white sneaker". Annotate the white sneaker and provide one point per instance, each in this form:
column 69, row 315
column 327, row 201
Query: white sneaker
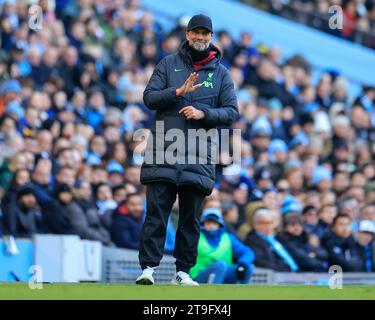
column 183, row 279
column 146, row 277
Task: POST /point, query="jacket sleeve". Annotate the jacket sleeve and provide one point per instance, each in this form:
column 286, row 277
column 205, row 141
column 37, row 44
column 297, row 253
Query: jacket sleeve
column 321, row 253
column 157, row 95
column 242, row 255
column 261, row 260
column 227, row 111
column 301, row 256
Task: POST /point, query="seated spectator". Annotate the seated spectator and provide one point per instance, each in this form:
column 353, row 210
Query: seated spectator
column 132, row 174
column 312, row 197
column 326, row 215
column 278, row 151
column 263, row 177
column 85, row 223
column 84, row 198
column 222, row 258
column 294, row 176
column 41, row 180
column 321, row 179
column 265, row 81
column 368, row 212
column 329, row 197
column 63, row 205
column 230, row 216
column 10, row 164
column 9, row 92
column 20, row 178
column 127, row 222
column 310, row 219
column 271, row 199
column 304, row 248
column 65, row 175
column 342, row 248
column 350, row 206
column 98, row 176
column 104, row 198
column 119, row 193
column 365, row 237
column 23, row 218
column 290, row 205
column 269, row 252
column 246, row 227
column 115, row 173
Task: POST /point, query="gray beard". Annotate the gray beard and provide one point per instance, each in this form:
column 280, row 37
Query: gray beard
column 200, row 46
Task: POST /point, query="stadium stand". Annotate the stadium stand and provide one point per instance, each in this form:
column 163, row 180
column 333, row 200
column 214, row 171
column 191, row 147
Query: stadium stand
column 358, row 16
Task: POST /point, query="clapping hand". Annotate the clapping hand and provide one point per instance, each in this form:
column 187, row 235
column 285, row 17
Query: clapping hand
column 188, row 85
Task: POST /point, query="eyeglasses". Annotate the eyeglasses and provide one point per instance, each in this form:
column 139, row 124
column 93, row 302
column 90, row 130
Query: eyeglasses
column 282, row 190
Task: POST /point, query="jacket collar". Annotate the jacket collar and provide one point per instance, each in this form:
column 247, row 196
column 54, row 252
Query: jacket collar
column 184, row 53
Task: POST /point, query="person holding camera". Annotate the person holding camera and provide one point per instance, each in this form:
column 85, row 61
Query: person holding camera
column 222, row 258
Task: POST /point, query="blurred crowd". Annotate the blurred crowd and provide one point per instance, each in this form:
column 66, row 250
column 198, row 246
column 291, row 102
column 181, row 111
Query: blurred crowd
column 71, row 99
column 358, row 16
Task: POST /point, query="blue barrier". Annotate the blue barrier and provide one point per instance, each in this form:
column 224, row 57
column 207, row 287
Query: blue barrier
column 16, row 267
column 357, row 63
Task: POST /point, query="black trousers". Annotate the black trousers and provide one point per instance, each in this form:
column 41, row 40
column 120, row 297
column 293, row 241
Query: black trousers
column 160, row 197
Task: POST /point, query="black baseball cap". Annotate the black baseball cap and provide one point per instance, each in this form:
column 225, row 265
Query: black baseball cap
column 200, row 21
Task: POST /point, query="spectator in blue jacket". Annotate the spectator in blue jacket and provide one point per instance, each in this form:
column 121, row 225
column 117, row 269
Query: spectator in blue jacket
column 222, row 258
column 343, row 248
column 310, row 219
column 326, row 215
column 41, row 180
column 127, row 222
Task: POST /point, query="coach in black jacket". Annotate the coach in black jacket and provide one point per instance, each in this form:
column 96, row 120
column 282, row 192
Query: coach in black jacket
column 188, row 90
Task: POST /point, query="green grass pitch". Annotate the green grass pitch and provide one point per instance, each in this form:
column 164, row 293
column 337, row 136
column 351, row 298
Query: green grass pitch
column 170, row 292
